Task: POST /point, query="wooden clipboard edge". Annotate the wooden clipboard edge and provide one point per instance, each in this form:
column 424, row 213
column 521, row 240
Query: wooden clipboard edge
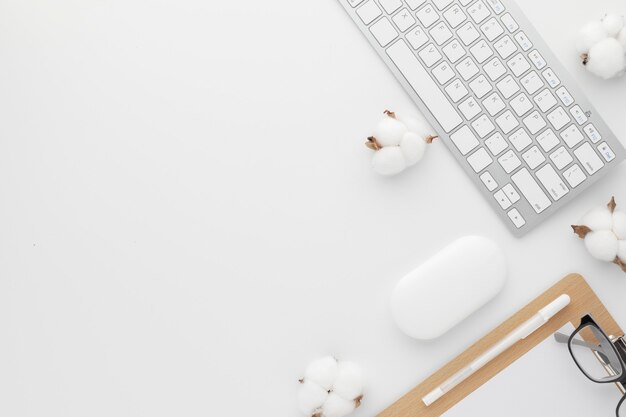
column 583, row 301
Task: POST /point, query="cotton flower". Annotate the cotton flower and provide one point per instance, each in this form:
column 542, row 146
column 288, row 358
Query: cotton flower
column 399, row 142
column 330, row 388
column 604, row 232
column 602, row 45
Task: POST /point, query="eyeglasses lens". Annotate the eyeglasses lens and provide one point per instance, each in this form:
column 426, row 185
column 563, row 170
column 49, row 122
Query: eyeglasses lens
column 595, row 355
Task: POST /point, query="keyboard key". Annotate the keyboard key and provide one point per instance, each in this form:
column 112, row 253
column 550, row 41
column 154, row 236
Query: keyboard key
column 495, row 69
column 521, row 104
column 492, row 29
column 505, row 47
column 551, row 78
column 579, row 115
column 508, row 87
column 479, row 160
column 559, row 118
column 354, row 3
column 561, row 158
column 589, row 158
column 523, row 41
column 470, row 108
column 390, row 6
column 478, row 11
column 545, row 100
column 564, row 95
column 511, row 193
column 496, row 6
column 509, row 22
column 483, row 126
column 454, row 51
column 488, row 180
column 502, row 199
column 481, row 51
column 548, row 140
column 496, row 144
column 424, row 86
column 533, row 157
column 440, row 33
column 403, row 20
column 443, row 72
column 467, row 68
column 574, row 176
column 552, row 182
column 430, row 55
column 414, row 4
column 465, row 140
column 532, row 82
column 516, row 218
column 427, row 15
column 572, row 136
column 518, row 64
column 442, row 4
column 493, row 104
column 592, row 133
column 606, row 152
column 534, row 122
column 383, row 31
column 417, row 37
column 468, row 33
column 537, row 59
column 480, row 86
column 454, row 16
column 507, row 122
column 456, row 90
column 531, row 191
column 369, row 12
column 509, row 161
column 520, row 140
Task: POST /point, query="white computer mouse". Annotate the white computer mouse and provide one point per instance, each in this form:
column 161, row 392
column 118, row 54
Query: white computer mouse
column 448, row 287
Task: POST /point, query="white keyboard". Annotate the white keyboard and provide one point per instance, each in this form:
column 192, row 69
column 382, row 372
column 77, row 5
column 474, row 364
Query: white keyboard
column 501, row 101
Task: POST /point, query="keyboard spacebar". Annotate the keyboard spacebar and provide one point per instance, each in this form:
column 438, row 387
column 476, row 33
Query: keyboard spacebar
column 419, row 79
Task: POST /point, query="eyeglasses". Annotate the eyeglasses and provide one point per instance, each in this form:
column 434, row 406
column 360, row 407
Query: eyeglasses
column 598, row 356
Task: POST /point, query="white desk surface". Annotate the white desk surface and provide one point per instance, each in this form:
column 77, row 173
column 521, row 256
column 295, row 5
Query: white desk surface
column 188, row 215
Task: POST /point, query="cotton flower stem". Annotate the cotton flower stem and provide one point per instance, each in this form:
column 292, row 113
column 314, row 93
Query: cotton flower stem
column 620, row 263
column 612, row 204
column 429, row 139
column 373, row 144
column 581, row 231
column 585, row 58
column 390, row 114
column 357, row 401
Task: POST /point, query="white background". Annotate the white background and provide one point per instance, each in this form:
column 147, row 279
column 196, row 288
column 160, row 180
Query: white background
column 188, row 215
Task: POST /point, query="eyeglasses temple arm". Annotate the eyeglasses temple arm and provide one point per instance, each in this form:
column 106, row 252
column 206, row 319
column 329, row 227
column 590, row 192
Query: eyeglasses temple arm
column 563, row 338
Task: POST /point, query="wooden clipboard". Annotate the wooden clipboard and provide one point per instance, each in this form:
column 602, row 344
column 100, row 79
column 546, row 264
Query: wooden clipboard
column 583, row 301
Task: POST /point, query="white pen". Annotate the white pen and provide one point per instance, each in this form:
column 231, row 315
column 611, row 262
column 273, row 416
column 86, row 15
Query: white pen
column 523, row 331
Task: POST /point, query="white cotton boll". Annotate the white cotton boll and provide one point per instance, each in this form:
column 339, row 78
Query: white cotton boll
column 349, row 383
column 416, row 123
column 336, row 406
column 619, row 224
column 323, row 372
column 621, row 38
column 599, row 218
column 413, row 148
column 389, row 161
column 606, row 58
column 621, row 250
column 389, row 132
column 311, row 397
column 613, row 23
column 602, row 245
column 589, row 35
